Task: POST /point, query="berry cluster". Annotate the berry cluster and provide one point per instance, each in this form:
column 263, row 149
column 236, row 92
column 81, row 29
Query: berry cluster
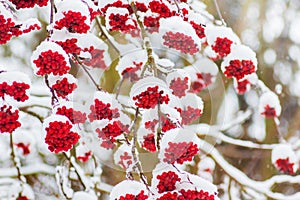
column 50, row 62
column 29, row 3
column 8, row 29
column 200, row 31
column 24, row 147
column 187, row 194
column 74, row 116
column 222, row 46
column 111, row 131
column 119, row 22
column 8, row 119
column 269, row 112
column 180, row 42
column 239, row 68
column 166, row 124
column 196, row 195
column 140, row 196
column 63, row 88
column 60, row 137
column 16, row 90
column 86, row 157
column 242, row 86
column 130, row 73
column 70, row 46
column 150, row 98
column 160, row 8
column 73, row 21
column 96, row 60
column 285, row 166
column 151, row 124
column 167, row 181
column 179, row 86
column 180, row 152
column 189, row 114
column 149, row 142
column 125, row 160
column 100, row 110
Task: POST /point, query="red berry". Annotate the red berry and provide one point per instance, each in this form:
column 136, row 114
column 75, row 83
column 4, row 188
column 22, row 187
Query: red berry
column 8, row 119
column 63, row 88
column 180, row 42
column 50, row 62
column 100, row 110
column 285, row 166
column 167, row 181
column 150, row 98
column 59, row 136
column 222, row 46
column 73, row 21
column 180, row 152
column 238, row 69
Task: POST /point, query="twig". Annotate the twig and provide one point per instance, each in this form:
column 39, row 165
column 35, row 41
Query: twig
column 25, row 110
column 87, row 72
column 16, row 164
column 219, row 13
column 263, row 187
column 150, row 61
column 134, row 152
column 76, row 170
column 118, row 90
column 105, row 37
column 178, row 8
column 158, row 138
column 52, row 9
column 53, row 98
column 13, row 156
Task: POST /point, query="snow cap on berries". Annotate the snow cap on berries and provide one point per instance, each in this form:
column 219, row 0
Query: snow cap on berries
column 108, row 131
column 206, row 167
column 119, row 19
column 285, row 159
column 104, row 106
column 64, row 85
column 148, row 92
column 73, row 15
column 9, row 117
column 123, row 157
column 60, row 134
column 29, row 4
column 180, row 35
column 221, row 39
column 18, row 88
column 244, row 85
column 178, row 146
column 131, row 65
column 147, row 139
column 50, row 58
column 165, row 178
column 190, row 108
column 83, row 153
column 240, row 62
column 129, row 189
column 202, row 74
column 269, row 105
column 179, row 82
column 80, row 195
column 73, row 111
column 195, row 186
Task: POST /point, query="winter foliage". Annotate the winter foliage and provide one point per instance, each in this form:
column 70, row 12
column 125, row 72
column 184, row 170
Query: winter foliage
column 138, row 100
